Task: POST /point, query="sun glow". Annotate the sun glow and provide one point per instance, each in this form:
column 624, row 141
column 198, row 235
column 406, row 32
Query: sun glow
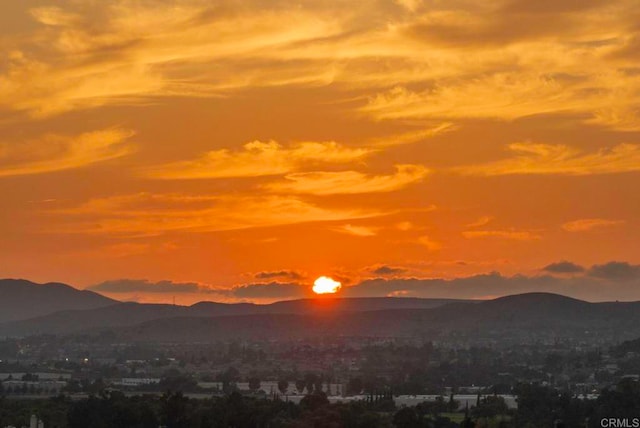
column 326, row 285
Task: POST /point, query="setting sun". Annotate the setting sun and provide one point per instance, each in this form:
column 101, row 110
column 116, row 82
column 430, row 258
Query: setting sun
column 326, row 285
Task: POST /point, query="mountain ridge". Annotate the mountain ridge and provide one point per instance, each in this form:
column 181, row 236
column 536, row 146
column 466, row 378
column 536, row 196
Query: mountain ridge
column 23, row 299
column 131, row 313
column 567, row 318
column 525, row 314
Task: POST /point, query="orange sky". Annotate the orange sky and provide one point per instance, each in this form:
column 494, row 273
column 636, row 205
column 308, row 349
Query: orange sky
column 152, row 149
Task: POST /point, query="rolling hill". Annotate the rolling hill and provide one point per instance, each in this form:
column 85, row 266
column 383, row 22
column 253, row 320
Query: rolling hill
column 118, row 314
column 532, row 316
column 22, row 299
column 27, row 309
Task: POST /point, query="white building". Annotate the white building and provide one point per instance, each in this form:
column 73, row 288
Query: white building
column 137, row 381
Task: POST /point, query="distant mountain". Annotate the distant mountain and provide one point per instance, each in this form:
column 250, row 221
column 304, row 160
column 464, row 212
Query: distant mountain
column 320, row 305
column 534, row 317
column 22, row 299
column 531, row 317
column 546, row 310
column 126, row 314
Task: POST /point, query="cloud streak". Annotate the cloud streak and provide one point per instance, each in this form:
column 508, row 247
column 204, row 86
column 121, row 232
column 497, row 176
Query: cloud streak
column 563, row 267
column 278, row 274
column 605, row 282
column 388, row 270
column 412, row 59
column 258, row 158
column 348, row 182
column 354, row 230
column 518, row 235
column 53, row 152
column 587, row 224
column 615, row 271
column 268, row 290
column 546, row 159
column 122, row 286
column 120, row 52
column 154, row 214
column 600, row 282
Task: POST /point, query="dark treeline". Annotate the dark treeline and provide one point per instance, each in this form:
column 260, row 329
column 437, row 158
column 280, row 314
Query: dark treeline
column 174, row 410
column 538, row 407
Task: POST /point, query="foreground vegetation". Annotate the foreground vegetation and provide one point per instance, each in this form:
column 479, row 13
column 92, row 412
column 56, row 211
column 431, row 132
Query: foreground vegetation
column 538, row 406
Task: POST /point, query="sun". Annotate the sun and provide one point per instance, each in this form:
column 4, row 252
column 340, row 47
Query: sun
column 326, row 285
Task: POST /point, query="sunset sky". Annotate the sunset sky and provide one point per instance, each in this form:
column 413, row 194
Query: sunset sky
column 237, row 150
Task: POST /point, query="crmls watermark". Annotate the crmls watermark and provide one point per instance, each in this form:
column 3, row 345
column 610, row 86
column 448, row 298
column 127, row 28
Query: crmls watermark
column 620, row 422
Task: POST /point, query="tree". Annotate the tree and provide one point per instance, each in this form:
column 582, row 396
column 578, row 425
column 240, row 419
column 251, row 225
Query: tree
column 355, row 386
column 96, row 387
column 310, row 381
column 489, row 407
column 314, row 401
column 73, row 386
column 29, row 377
column 433, row 408
column 178, row 382
column 535, row 405
column 175, row 412
column 467, row 423
column 283, row 385
column 453, row 404
column 228, row 378
column 254, row 383
column 406, row 418
column 317, row 385
column 621, row 402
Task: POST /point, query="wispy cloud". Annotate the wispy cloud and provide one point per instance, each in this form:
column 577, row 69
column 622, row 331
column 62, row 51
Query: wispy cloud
column 560, row 159
column 153, row 214
column 586, row 224
column 404, row 226
column 481, row 221
column 563, row 267
column 518, row 235
column 351, row 229
column 258, row 158
column 605, row 281
column 348, row 182
column 498, row 60
column 412, row 136
column 125, row 288
column 53, row 152
column 278, row 274
column 497, row 96
column 601, row 282
column 615, row 271
column 410, row 5
column 268, row 290
column 388, row 270
column 429, row 243
column 122, row 52
column 119, row 286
